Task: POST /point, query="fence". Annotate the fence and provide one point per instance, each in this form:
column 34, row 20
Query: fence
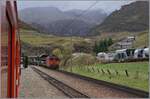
column 110, row 72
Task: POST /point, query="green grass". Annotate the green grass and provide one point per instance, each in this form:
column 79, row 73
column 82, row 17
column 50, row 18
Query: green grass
column 34, row 38
column 37, row 39
column 139, row 81
column 141, row 40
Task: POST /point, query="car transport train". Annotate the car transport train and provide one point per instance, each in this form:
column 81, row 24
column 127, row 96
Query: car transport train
column 10, row 50
column 123, row 55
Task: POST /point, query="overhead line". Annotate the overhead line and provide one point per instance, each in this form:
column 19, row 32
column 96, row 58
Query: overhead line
column 67, row 26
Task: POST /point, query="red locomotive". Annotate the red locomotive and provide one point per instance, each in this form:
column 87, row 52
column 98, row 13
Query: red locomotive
column 52, row 62
column 9, row 50
column 49, row 61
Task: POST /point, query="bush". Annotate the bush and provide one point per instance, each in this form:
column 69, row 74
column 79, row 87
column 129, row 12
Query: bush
column 25, row 61
column 82, row 59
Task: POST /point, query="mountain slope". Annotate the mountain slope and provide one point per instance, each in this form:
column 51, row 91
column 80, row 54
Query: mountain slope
column 23, row 25
column 93, row 16
column 51, row 20
column 65, row 28
column 42, row 15
column 132, row 18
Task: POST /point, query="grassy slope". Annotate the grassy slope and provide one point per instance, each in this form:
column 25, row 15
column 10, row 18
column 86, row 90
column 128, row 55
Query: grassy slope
column 141, row 82
column 141, row 40
column 46, row 43
column 38, row 39
column 34, row 38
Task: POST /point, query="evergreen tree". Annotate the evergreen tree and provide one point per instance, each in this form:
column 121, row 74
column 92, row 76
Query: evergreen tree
column 110, row 41
column 102, row 45
column 96, row 48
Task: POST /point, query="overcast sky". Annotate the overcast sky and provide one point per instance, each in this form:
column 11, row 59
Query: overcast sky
column 108, row 6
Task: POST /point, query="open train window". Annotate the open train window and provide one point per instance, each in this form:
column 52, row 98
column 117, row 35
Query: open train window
column 5, row 54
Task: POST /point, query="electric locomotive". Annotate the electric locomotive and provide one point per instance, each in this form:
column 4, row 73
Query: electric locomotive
column 52, row 62
column 48, row 61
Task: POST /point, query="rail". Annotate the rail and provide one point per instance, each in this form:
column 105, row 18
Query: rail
column 67, row 90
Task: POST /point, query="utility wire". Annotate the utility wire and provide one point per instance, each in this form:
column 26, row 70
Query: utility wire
column 73, row 20
column 67, row 26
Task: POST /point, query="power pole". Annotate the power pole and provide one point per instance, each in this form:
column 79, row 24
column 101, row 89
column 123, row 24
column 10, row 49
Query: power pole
column 71, row 49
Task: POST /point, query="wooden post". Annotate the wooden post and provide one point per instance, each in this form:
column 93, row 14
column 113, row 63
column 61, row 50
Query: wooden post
column 102, row 71
column 126, row 73
column 148, row 76
column 71, row 69
column 98, row 70
column 93, row 69
column 108, row 71
column 117, row 73
column 88, row 69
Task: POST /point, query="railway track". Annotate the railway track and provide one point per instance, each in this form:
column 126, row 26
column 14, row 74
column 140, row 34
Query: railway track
column 121, row 88
column 136, row 92
column 67, row 90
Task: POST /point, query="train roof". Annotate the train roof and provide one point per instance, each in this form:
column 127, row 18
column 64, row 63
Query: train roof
column 43, row 55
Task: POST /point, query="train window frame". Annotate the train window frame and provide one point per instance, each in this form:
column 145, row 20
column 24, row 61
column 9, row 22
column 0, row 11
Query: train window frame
column 9, row 53
column 10, row 29
column 12, row 49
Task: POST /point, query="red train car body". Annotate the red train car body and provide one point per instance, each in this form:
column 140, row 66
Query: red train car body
column 52, row 62
column 9, row 50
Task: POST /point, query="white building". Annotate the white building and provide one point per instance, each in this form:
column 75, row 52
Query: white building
column 124, row 43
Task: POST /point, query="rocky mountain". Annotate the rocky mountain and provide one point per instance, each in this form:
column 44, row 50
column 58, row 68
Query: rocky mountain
column 92, row 16
column 63, row 27
column 133, row 17
column 23, row 25
column 54, row 21
column 42, row 15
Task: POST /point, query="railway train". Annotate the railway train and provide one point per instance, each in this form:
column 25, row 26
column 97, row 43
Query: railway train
column 49, row 61
column 52, row 62
column 10, row 50
column 123, row 55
